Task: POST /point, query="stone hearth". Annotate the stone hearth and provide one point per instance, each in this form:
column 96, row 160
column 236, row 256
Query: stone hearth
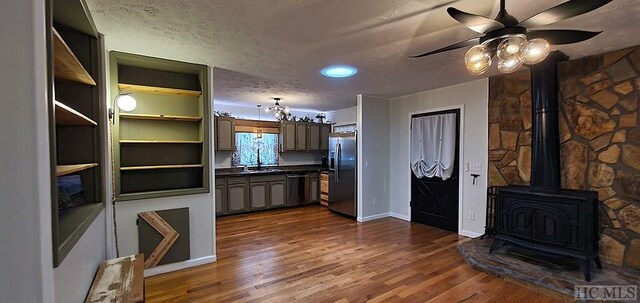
column 551, row 272
column 599, row 136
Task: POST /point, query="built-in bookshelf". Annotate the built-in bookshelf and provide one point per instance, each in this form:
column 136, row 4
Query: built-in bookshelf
column 161, row 147
column 76, row 107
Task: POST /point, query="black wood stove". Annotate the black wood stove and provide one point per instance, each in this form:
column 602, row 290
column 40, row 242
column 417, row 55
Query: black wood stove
column 544, row 217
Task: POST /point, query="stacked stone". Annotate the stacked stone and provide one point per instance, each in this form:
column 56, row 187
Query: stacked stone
column 599, row 135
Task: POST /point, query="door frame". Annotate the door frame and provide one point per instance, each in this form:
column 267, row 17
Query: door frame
column 460, row 158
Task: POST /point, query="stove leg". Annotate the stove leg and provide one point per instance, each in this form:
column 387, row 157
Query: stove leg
column 586, row 269
column 598, row 264
column 495, row 245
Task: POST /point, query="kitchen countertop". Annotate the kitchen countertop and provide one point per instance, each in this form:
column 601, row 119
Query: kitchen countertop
column 269, row 170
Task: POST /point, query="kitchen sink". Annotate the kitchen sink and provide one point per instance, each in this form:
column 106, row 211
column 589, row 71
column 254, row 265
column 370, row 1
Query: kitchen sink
column 266, row 170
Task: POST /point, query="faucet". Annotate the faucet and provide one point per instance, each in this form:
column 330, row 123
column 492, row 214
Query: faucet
column 259, row 162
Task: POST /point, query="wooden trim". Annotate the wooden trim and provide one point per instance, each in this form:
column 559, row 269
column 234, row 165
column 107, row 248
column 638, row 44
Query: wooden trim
column 66, row 64
column 62, row 170
column 145, row 89
column 68, row 116
column 159, row 142
column 119, row 280
column 160, row 117
column 257, row 123
column 160, row 167
column 249, row 129
column 165, row 230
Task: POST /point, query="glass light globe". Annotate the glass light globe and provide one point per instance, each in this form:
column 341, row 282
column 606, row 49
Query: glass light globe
column 537, row 50
column 509, row 66
column 477, row 60
column 513, row 46
column 286, row 109
column 126, row 102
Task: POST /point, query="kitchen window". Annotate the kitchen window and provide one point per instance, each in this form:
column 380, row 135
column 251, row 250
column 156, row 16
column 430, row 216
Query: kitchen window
column 247, row 146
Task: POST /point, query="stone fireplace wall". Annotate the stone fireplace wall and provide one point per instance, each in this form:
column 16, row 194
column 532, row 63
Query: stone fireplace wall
column 599, row 135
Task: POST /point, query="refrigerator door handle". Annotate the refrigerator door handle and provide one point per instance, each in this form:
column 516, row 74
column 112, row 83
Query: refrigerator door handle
column 338, row 160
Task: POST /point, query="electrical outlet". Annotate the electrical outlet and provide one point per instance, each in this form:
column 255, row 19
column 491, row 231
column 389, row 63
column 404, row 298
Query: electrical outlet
column 475, row 167
column 472, row 215
column 466, row 166
column 373, row 201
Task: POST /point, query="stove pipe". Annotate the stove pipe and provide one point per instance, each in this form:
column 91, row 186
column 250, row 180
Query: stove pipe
column 545, row 137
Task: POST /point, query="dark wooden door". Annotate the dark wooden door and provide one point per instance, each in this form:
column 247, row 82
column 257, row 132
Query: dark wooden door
column 435, row 201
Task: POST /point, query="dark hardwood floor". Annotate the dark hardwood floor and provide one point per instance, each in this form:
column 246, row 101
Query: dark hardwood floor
column 309, row 254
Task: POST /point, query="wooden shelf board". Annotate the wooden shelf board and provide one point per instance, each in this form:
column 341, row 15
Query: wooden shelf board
column 160, row 117
column 161, row 167
column 62, row 170
column 159, row 142
column 134, row 88
column 68, row 116
column 66, row 65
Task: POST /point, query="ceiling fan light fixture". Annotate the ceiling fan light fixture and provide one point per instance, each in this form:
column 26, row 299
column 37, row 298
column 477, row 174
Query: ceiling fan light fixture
column 510, row 65
column 478, row 59
column 514, row 45
column 537, row 50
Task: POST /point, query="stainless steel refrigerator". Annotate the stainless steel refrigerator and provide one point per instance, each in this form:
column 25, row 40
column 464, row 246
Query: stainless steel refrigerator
column 342, row 173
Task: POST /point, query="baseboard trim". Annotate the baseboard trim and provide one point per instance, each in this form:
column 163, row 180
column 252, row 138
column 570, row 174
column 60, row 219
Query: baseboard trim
column 399, row 216
column 374, row 217
column 469, row 234
column 163, row 269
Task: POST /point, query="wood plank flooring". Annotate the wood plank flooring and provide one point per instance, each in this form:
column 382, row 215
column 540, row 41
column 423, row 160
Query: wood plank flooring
column 309, row 254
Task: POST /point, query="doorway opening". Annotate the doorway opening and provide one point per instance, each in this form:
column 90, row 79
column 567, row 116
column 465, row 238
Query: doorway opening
column 435, row 173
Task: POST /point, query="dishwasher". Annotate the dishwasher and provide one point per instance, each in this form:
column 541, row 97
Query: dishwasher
column 298, row 189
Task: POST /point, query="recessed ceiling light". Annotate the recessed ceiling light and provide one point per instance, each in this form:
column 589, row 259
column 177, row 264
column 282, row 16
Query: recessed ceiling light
column 339, row 71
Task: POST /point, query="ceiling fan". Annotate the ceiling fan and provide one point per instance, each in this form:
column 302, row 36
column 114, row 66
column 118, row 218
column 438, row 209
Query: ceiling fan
column 512, row 41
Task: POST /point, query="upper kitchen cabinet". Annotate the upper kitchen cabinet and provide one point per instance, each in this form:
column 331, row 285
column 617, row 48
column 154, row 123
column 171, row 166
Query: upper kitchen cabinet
column 301, row 136
column 225, row 134
column 77, row 113
column 325, row 129
column 313, row 136
column 287, row 136
column 160, row 144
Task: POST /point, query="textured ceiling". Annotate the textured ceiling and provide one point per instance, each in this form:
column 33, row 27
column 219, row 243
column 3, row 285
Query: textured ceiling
column 267, row 48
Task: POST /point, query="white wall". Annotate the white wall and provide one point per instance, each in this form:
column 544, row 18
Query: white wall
column 373, row 157
column 474, row 97
column 26, row 268
column 343, row 116
column 74, row 276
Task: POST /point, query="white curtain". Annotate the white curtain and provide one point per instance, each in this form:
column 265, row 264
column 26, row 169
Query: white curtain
column 433, row 145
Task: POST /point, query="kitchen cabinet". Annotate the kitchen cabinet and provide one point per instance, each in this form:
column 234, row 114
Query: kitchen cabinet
column 287, row 136
column 237, row 195
column 277, row 193
column 313, row 136
column 324, row 188
column 259, row 195
column 301, row 136
column 225, row 134
column 221, row 196
column 325, row 129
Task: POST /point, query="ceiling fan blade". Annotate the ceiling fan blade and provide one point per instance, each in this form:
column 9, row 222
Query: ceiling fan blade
column 476, row 23
column 470, row 42
column 562, row 36
column 563, row 11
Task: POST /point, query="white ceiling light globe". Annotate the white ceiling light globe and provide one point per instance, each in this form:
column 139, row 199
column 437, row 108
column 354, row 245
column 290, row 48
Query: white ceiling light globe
column 126, row 102
column 537, row 50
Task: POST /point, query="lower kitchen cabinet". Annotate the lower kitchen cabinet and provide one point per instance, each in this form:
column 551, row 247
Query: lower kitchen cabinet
column 237, row 198
column 259, row 195
column 277, row 193
column 221, row 196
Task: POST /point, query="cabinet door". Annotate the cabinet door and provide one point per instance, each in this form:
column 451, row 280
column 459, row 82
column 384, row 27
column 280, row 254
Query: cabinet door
column 314, row 187
column 277, row 193
column 301, row 136
column 313, row 136
column 226, row 134
column 221, row 200
column 325, row 129
column 237, row 198
column 287, row 136
column 259, row 197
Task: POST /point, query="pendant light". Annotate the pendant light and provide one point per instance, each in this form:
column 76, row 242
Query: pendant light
column 259, row 132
